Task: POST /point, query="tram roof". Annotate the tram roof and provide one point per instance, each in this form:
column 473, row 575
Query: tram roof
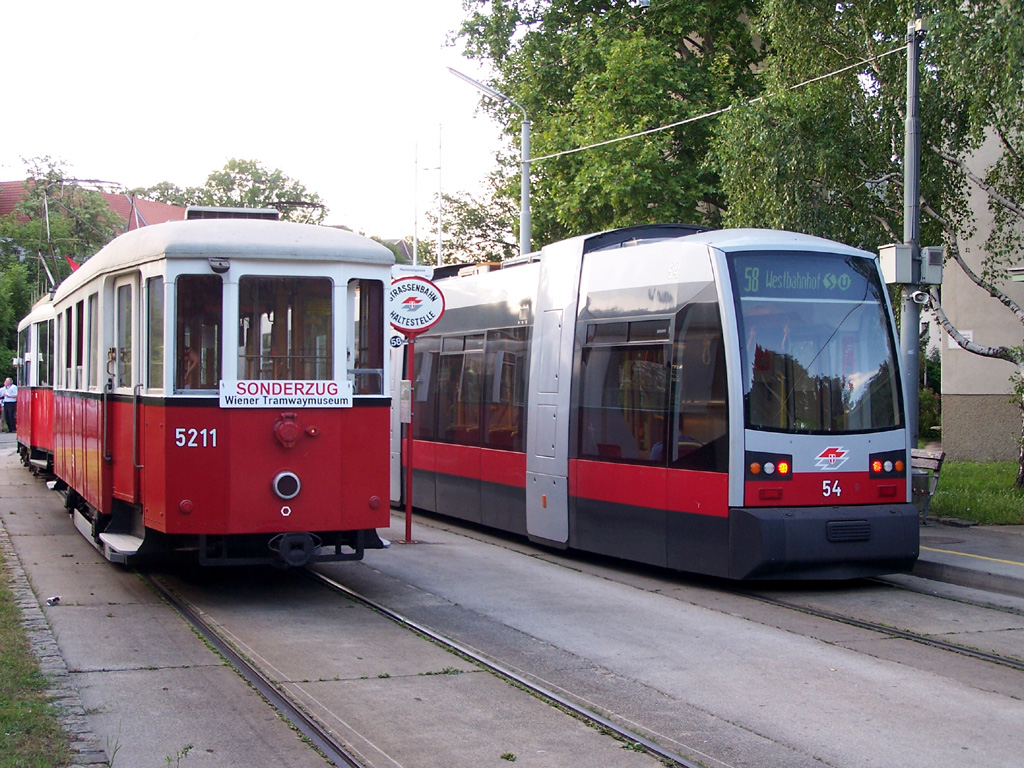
column 770, row 239
column 228, row 238
column 41, row 310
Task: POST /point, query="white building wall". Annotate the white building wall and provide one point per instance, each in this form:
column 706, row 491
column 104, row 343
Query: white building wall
column 979, row 422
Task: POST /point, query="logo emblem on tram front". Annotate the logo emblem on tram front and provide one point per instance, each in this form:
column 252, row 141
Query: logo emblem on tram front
column 831, row 458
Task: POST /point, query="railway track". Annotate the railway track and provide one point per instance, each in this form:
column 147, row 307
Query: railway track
column 337, row 752
column 635, row 740
column 319, row 737
column 890, row 631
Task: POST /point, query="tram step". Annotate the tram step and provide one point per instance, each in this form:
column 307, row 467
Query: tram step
column 121, row 543
column 41, row 463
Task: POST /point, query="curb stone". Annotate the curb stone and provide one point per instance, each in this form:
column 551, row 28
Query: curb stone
column 64, row 697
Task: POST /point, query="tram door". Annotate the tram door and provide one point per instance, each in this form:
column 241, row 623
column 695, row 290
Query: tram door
column 124, row 371
column 547, row 438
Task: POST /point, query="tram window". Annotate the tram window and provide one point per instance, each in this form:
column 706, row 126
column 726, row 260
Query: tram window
column 25, row 354
column 607, row 333
column 66, row 381
column 425, row 388
column 155, row 332
column 453, row 344
column 92, row 315
column 505, row 389
column 285, row 328
column 623, row 402
column 197, row 333
column 699, row 419
column 44, row 342
column 78, row 364
column 459, row 389
column 367, row 365
column 817, row 352
column 124, row 336
column 649, row 330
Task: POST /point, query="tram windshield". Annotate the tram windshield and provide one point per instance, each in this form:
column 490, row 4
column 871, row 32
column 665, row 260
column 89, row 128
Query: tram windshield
column 815, row 343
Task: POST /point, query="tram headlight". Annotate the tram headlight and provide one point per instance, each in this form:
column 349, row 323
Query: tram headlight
column 769, row 466
column 888, row 464
column 287, row 485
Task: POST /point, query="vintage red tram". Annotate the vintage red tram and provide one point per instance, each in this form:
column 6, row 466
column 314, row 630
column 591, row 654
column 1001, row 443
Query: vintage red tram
column 35, row 386
column 219, row 388
column 718, row 402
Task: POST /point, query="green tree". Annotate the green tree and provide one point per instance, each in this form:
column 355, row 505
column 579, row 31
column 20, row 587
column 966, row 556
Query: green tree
column 72, row 217
column 15, row 302
column 588, row 72
column 245, row 184
column 475, row 228
column 827, row 158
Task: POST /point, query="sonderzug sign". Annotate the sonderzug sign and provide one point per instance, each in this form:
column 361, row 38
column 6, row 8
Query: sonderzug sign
column 289, row 393
column 414, row 304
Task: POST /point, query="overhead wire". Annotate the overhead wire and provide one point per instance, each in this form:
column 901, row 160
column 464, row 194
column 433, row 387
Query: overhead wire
column 715, row 112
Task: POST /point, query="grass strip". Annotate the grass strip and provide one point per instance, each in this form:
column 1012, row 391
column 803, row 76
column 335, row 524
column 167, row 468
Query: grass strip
column 30, row 732
column 982, row 492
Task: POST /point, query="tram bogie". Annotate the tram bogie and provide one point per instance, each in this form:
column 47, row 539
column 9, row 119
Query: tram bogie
column 718, row 402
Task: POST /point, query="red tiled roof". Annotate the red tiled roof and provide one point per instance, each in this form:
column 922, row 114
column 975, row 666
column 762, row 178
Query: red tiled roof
column 145, row 211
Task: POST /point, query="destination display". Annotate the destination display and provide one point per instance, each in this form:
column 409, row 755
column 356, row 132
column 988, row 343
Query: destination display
column 803, row 275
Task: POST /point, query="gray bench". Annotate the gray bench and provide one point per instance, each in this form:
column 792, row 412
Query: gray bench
column 925, row 466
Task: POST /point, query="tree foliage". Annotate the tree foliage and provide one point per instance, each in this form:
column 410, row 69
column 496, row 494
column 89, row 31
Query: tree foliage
column 589, row 72
column 246, row 184
column 474, row 227
column 67, row 216
column 820, row 150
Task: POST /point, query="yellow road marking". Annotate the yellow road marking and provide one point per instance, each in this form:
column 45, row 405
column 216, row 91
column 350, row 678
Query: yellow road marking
column 979, row 557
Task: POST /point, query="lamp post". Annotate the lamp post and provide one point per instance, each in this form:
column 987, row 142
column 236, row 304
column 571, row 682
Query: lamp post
column 524, row 208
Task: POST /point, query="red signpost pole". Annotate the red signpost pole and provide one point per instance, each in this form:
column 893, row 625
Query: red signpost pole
column 410, row 362
column 414, row 304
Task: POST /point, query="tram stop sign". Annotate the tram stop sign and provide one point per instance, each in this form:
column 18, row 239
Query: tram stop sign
column 414, row 304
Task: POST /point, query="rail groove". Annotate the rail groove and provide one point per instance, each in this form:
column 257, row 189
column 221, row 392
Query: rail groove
column 945, row 645
column 318, row 736
column 586, row 715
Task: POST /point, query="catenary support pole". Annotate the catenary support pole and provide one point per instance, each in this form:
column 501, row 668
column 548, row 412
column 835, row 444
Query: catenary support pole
column 910, row 318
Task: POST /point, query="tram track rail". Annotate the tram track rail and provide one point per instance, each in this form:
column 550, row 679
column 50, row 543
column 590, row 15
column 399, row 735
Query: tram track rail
column 966, row 651
column 903, row 634
column 632, row 738
column 318, row 736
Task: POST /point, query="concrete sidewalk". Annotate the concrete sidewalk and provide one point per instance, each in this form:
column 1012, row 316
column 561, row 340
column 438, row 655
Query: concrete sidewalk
column 982, row 557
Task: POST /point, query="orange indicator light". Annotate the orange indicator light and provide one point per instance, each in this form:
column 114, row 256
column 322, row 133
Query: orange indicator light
column 899, row 466
column 755, row 468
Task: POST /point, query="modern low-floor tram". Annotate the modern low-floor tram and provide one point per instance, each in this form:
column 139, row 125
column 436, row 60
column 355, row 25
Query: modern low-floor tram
column 719, row 402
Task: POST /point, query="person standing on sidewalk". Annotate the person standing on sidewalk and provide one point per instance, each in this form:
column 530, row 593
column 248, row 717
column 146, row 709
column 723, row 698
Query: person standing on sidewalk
column 10, row 401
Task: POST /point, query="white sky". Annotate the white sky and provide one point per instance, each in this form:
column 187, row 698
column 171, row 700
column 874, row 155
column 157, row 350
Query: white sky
column 338, row 95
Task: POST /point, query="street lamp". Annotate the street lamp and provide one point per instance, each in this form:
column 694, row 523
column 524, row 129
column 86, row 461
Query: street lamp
column 524, row 209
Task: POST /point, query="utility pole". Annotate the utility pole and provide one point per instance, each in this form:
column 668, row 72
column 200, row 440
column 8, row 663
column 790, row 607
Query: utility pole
column 910, row 324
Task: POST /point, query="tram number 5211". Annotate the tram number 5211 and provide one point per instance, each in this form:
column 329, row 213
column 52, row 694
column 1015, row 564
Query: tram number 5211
column 195, row 438
column 831, row 488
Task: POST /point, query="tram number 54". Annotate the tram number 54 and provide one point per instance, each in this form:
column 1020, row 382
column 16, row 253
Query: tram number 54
column 195, row 438
column 831, row 488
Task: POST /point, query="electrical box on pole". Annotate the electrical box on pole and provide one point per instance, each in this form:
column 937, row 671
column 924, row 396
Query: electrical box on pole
column 932, row 257
column 897, row 263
